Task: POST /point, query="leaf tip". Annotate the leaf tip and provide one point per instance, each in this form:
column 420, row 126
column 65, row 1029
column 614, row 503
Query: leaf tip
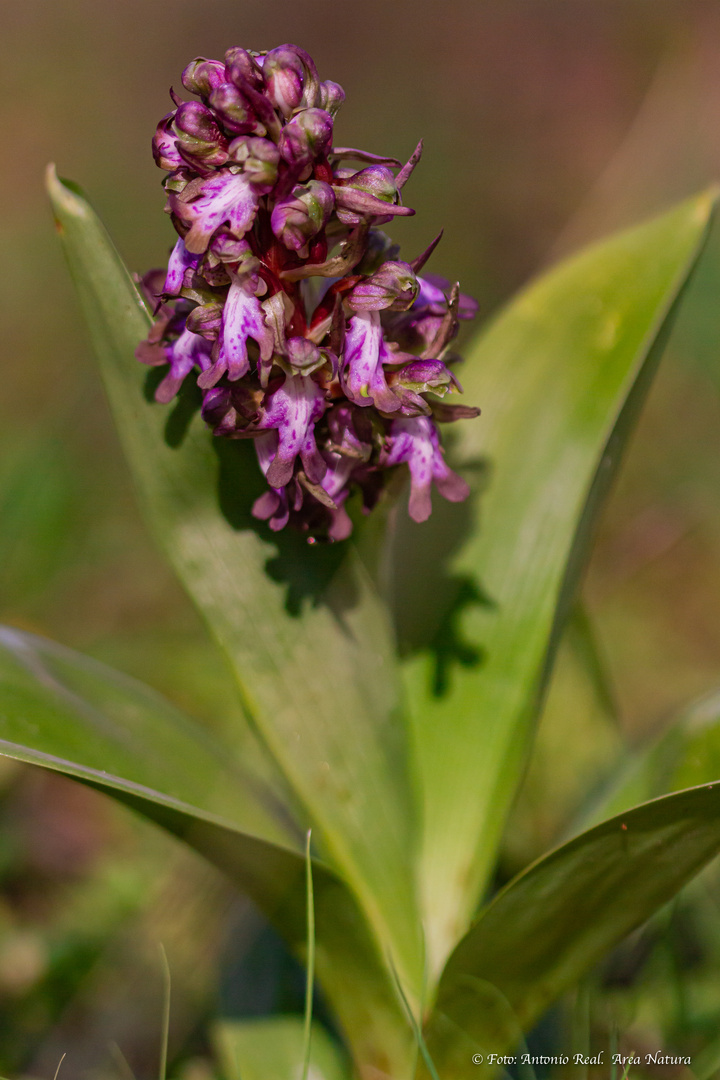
column 707, row 202
column 65, row 196
column 53, row 183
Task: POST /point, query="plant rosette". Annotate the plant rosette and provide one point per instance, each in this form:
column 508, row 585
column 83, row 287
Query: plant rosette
column 391, row 673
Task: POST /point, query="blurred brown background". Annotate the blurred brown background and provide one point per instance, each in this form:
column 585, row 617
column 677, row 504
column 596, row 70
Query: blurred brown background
column 546, row 123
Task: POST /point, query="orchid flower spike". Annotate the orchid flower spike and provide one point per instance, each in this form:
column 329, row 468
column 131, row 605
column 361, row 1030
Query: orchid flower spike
column 287, row 304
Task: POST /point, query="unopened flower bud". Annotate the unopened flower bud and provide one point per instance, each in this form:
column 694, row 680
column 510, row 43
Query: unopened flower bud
column 241, row 67
column 303, row 356
column 299, row 218
column 393, row 286
column 198, row 135
column 205, row 320
column 217, row 410
column 292, row 79
column 201, row 76
column 332, row 96
column 259, row 159
column 225, row 254
column 376, row 180
column 423, row 376
column 233, row 109
column 228, row 249
column 372, row 192
column 306, row 137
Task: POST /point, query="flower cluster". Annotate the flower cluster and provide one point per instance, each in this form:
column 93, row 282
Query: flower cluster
column 289, row 305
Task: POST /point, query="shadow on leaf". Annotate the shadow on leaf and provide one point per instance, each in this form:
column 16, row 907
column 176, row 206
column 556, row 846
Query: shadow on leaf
column 305, row 570
column 427, row 619
column 430, row 619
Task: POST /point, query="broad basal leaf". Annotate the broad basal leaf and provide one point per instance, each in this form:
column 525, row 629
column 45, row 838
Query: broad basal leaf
column 559, row 376
column 71, row 714
column 303, row 627
column 273, row 1047
column 59, row 706
column 550, row 924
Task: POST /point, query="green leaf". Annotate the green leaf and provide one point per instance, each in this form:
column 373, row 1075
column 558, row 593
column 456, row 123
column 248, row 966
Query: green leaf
column 685, row 753
column 578, row 725
column 38, row 489
column 66, row 712
column 273, row 1047
column 307, row 635
column 551, row 923
column 560, row 376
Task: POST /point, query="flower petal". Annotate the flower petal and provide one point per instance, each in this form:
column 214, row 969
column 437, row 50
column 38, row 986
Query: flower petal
column 416, row 442
column 363, row 376
column 293, row 410
column 243, row 318
column 225, row 198
column 180, row 261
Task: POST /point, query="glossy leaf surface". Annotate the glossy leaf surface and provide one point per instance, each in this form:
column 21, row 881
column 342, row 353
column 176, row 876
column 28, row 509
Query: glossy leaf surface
column 550, row 924
column 307, row 635
column 59, row 706
column 560, row 376
column 66, row 712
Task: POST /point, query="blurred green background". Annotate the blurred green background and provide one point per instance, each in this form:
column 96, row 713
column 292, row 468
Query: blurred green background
column 547, row 123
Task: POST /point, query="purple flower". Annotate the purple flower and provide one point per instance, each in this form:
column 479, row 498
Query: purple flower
column 272, row 506
column 363, row 378
column 392, row 286
column 306, row 138
column 301, row 216
column 433, row 296
column 429, row 324
column 201, row 76
column 242, row 319
column 293, row 410
column 164, row 144
column 415, row 441
column 292, row 79
column 225, row 198
column 336, row 483
column 302, row 325
column 187, row 352
column 181, row 261
column 372, row 193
